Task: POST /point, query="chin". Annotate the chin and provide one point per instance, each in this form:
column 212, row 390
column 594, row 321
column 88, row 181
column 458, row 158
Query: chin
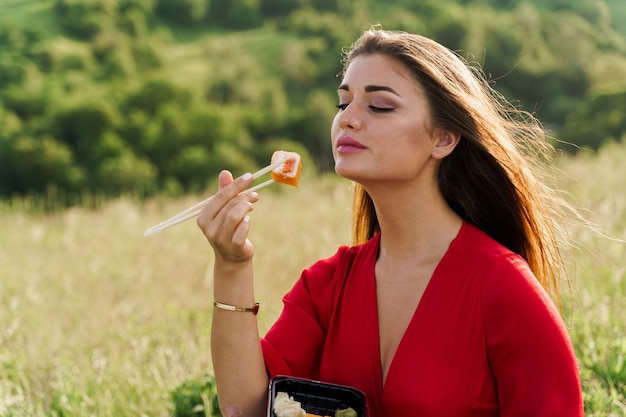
column 345, row 171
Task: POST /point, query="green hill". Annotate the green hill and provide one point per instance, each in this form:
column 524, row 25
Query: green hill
column 145, row 96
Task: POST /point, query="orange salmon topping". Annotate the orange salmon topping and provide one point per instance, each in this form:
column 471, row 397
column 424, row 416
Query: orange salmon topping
column 289, row 172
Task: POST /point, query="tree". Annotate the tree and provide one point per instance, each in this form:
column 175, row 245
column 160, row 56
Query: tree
column 599, row 118
column 83, row 19
column 12, row 70
column 313, row 128
column 29, row 164
column 278, row 8
column 450, row 28
column 192, row 167
column 83, row 126
column 236, row 14
column 156, row 93
column 125, row 173
column 185, row 12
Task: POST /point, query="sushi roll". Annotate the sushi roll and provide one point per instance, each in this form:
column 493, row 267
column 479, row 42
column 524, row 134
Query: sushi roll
column 289, row 171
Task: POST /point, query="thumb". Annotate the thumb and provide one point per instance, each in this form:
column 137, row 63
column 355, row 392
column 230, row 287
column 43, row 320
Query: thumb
column 225, row 178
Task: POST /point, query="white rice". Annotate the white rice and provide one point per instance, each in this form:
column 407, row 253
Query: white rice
column 286, row 406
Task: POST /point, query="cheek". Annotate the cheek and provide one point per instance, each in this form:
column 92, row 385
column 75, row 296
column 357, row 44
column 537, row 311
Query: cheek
column 418, row 135
column 334, row 129
column 334, row 132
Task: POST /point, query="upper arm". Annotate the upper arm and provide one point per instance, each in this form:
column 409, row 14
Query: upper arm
column 293, row 345
column 529, row 349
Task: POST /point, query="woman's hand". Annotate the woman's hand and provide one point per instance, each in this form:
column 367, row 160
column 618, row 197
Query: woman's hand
column 225, row 222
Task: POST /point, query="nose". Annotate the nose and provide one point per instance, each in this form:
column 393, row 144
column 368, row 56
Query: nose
column 349, row 117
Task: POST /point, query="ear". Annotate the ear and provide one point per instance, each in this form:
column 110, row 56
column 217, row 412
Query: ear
column 444, row 143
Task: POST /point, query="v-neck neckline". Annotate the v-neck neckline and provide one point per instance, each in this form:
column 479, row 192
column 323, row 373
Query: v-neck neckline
column 432, row 282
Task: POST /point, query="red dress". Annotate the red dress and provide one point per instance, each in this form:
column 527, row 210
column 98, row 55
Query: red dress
column 485, row 339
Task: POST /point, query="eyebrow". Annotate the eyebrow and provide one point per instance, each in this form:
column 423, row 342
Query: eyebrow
column 371, row 88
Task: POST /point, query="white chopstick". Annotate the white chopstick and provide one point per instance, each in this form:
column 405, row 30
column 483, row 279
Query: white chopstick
column 195, row 210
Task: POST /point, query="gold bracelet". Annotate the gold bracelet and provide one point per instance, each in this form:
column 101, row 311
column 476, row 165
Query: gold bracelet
column 254, row 309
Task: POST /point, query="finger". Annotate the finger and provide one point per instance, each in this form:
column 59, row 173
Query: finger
column 225, row 178
column 240, row 236
column 233, row 219
column 217, row 209
column 230, row 188
column 228, row 236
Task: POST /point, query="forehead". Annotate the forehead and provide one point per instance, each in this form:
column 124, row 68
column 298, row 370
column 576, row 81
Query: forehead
column 378, row 69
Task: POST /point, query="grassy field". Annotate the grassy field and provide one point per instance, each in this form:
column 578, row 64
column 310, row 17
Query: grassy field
column 96, row 320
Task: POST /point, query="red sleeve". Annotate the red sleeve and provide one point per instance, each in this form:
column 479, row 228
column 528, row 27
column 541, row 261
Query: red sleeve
column 293, row 345
column 529, row 349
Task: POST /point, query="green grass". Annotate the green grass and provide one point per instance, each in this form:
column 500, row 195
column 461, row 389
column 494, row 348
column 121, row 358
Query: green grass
column 598, row 322
column 35, row 14
column 97, row 320
column 255, row 52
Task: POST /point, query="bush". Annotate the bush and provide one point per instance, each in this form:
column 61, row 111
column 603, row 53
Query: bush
column 35, row 164
column 156, row 93
column 83, row 124
column 196, row 398
column 125, row 173
column 313, row 128
column 72, row 62
column 185, row 12
column 235, row 14
column 600, row 118
column 12, row 70
column 81, row 19
column 278, row 8
column 191, row 167
column 26, row 102
column 144, row 6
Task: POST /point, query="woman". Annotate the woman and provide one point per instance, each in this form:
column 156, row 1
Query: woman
column 441, row 308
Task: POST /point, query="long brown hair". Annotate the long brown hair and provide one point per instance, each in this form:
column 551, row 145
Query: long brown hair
column 490, row 178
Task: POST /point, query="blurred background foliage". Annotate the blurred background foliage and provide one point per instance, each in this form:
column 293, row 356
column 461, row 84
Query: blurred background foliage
column 142, row 97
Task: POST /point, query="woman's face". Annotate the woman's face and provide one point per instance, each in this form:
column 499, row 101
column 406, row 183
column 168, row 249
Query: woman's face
column 382, row 131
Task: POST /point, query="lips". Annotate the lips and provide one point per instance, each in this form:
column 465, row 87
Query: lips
column 346, row 144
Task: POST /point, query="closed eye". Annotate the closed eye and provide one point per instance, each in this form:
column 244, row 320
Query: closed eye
column 375, row 109
column 381, row 109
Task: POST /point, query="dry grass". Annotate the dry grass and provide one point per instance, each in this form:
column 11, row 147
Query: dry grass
column 97, row 320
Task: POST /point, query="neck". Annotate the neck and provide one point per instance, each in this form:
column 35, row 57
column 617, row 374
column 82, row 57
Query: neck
column 420, row 225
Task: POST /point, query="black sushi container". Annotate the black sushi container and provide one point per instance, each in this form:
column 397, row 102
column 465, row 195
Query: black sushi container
column 316, row 397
